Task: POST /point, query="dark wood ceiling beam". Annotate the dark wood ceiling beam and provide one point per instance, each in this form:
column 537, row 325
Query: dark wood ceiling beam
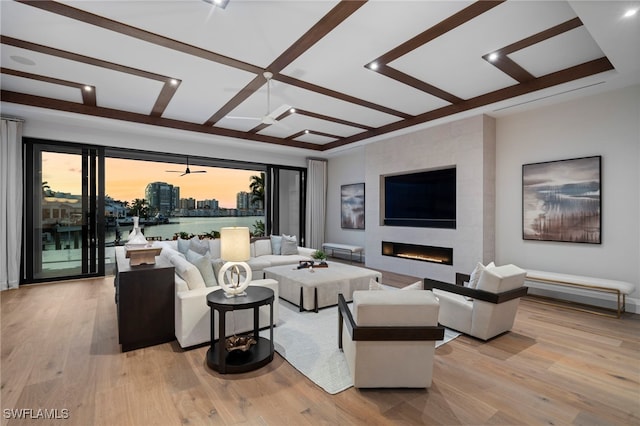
column 326, row 135
column 465, row 15
column 332, row 119
column 73, row 107
column 22, row 44
column 417, row 84
column 312, row 132
column 541, row 36
column 553, row 79
column 324, row 26
column 244, row 93
column 88, row 96
column 259, row 127
column 509, row 67
column 167, row 92
column 109, row 24
column 338, row 95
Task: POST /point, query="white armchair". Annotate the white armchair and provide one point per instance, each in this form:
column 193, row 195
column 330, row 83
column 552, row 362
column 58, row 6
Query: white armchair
column 389, row 340
column 485, row 311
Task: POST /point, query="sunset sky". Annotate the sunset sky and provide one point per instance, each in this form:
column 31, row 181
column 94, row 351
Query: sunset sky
column 126, row 180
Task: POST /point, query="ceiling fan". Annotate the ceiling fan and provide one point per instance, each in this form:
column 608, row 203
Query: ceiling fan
column 187, row 171
column 270, row 117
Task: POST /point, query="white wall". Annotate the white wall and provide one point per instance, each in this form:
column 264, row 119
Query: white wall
column 347, row 168
column 606, row 125
column 468, row 144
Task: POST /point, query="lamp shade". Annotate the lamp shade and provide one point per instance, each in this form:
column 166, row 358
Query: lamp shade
column 235, row 244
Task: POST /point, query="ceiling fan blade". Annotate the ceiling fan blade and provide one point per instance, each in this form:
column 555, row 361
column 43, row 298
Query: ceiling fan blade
column 199, row 171
column 174, row 171
column 279, row 111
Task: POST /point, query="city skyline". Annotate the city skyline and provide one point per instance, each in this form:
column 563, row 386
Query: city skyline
column 126, row 180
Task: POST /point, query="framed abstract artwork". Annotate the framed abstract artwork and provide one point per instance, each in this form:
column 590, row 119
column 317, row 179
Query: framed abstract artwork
column 352, row 206
column 561, row 200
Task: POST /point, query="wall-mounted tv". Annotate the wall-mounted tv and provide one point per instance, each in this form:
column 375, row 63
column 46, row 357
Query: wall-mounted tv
column 423, row 199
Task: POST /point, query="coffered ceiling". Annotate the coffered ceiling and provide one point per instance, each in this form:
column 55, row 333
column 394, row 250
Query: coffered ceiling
column 352, row 70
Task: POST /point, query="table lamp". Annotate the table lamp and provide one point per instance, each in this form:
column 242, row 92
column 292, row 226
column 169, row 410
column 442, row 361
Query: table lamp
column 235, row 251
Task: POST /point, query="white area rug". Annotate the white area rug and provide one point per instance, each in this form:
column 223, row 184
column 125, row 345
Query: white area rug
column 309, row 342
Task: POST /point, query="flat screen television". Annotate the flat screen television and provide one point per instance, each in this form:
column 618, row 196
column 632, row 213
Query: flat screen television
column 423, row 199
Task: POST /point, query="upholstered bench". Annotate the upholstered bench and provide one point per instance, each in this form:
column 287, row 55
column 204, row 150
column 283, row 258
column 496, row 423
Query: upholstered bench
column 344, row 247
column 620, row 288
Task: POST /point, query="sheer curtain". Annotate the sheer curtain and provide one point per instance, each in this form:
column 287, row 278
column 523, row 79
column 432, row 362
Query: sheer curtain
column 10, row 203
column 316, row 203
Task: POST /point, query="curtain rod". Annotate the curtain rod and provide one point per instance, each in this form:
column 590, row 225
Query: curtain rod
column 20, row 120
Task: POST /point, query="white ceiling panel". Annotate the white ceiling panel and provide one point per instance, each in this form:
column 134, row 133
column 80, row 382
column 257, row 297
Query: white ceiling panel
column 566, row 50
column 453, row 62
column 248, row 30
column 129, row 49
column 338, row 60
column 41, row 88
column 311, row 138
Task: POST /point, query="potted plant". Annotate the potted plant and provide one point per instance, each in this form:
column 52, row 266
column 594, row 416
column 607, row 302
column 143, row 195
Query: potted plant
column 321, row 256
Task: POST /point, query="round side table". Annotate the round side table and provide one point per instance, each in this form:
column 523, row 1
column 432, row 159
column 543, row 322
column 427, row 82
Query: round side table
column 239, row 361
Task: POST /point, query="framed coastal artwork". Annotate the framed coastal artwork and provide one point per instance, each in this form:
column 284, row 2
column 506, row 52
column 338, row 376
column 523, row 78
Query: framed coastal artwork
column 561, row 200
column 352, row 206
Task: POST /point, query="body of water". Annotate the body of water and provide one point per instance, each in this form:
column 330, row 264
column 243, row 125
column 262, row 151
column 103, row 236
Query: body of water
column 192, row 225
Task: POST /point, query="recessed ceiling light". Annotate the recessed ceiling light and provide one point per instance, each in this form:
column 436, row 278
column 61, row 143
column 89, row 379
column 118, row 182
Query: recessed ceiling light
column 173, row 82
column 373, row 66
column 306, row 131
column 88, row 88
column 292, row 110
column 219, row 3
column 493, row 56
column 22, row 60
column 631, row 12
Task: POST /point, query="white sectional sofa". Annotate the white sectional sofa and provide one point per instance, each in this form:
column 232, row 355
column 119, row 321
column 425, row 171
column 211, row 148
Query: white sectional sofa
column 193, row 281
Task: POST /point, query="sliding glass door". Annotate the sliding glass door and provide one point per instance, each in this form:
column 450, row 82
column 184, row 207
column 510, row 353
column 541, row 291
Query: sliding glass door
column 64, row 231
column 286, row 189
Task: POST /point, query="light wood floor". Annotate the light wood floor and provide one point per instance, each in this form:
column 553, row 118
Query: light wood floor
column 59, row 351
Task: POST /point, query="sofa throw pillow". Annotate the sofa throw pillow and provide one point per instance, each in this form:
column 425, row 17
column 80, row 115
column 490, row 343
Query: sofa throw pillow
column 214, row 248
column 475, row 274
column 203, row 263
column 375, row 285
column 262, row 247
column 199, row 246
column 217, row 265
column 188, row 272
column 289, row 245
column 418, row 285
column 183, row 245
column 276, row 244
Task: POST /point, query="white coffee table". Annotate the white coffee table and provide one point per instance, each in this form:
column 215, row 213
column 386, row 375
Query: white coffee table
column 320, row 288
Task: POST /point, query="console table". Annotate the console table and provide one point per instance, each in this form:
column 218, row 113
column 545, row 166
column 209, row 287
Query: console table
column 145, row 302
column 238, row 361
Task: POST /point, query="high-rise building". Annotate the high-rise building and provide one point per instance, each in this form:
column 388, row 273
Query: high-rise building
column 211, row 204
column 161, row 197
column 243, row 200
column 188, row 203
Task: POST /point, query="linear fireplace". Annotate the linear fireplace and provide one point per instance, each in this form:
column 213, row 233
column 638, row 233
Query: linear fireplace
column 442, row 255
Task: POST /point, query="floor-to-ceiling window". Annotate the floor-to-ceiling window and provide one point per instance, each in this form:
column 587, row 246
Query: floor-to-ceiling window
column 287, row 197
column 63, row 229
column 81, row 200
